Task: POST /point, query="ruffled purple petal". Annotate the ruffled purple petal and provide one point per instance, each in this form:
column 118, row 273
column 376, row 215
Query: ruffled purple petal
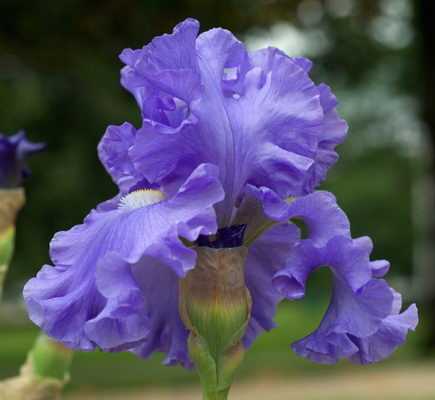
column 349, row 260
column 290, row 282
column 334, row 130
column 167, row 333
column 266, row 256
column 362, row 321
column 379, row 268
column 113, row 151
column 350, row 314
column 163, row 70
column 259, row 209
column 59, row 302
column 123, row 322
column 73, row 299
column 321, row 215
column 318, row 211
column 257, row 116
column 391, row 334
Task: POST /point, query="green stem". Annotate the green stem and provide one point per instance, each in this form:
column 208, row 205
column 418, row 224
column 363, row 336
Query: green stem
column 43, row 375
column 50, row 359
column 216, row 395
column 216, row 372
column 6, row 250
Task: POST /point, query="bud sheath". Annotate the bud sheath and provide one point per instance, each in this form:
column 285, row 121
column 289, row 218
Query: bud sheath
column 215, row 307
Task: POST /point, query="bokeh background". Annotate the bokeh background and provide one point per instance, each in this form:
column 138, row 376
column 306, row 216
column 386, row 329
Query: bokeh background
column 59, row 80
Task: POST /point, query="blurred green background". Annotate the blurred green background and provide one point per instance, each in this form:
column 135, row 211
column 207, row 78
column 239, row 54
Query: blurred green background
column 59, row 80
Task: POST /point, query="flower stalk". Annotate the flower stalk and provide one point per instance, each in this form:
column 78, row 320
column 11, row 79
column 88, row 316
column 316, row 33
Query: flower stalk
column 215, row 306
column 11, row 202
column 43, row 375
column 45, row 371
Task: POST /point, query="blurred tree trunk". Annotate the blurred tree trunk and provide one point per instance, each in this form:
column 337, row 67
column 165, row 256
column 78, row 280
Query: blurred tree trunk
column 425, row 26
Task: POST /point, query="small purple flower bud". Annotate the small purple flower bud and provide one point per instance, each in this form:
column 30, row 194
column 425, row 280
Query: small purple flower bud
column 13, row 153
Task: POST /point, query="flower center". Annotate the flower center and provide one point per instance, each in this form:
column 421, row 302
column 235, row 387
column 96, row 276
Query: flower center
column 141, row 198
column 227, row 237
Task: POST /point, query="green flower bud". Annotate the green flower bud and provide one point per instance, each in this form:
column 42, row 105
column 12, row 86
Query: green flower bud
column 215, row 307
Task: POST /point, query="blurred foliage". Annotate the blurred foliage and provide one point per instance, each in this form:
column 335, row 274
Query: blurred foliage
column 59, row 80
column 270, row 356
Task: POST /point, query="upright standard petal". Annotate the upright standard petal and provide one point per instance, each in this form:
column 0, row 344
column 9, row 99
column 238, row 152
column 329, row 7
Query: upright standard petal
column 113, row 151
column 257, row 116
column 93, row 283
column 163, row 70
column 333, row 132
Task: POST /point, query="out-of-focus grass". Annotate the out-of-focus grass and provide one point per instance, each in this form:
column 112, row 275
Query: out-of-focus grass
column 270, row 355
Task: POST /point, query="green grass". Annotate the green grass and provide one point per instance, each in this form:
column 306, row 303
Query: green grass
column 270, row 355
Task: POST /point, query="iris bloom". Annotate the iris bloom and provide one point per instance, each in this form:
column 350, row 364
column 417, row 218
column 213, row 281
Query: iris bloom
column 13, row 152
column 230, row 151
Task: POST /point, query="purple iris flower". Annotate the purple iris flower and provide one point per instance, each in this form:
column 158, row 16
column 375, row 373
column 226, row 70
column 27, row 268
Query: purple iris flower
column 230, row 151
column 13, row 153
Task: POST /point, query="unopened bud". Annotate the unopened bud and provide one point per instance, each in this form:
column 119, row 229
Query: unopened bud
column 215, row 307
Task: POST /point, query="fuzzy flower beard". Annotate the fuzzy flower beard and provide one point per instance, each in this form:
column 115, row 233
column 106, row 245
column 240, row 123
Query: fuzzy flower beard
column 229, row 139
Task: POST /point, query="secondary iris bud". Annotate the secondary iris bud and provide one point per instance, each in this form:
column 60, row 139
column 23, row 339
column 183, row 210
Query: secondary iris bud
column 215, row 307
